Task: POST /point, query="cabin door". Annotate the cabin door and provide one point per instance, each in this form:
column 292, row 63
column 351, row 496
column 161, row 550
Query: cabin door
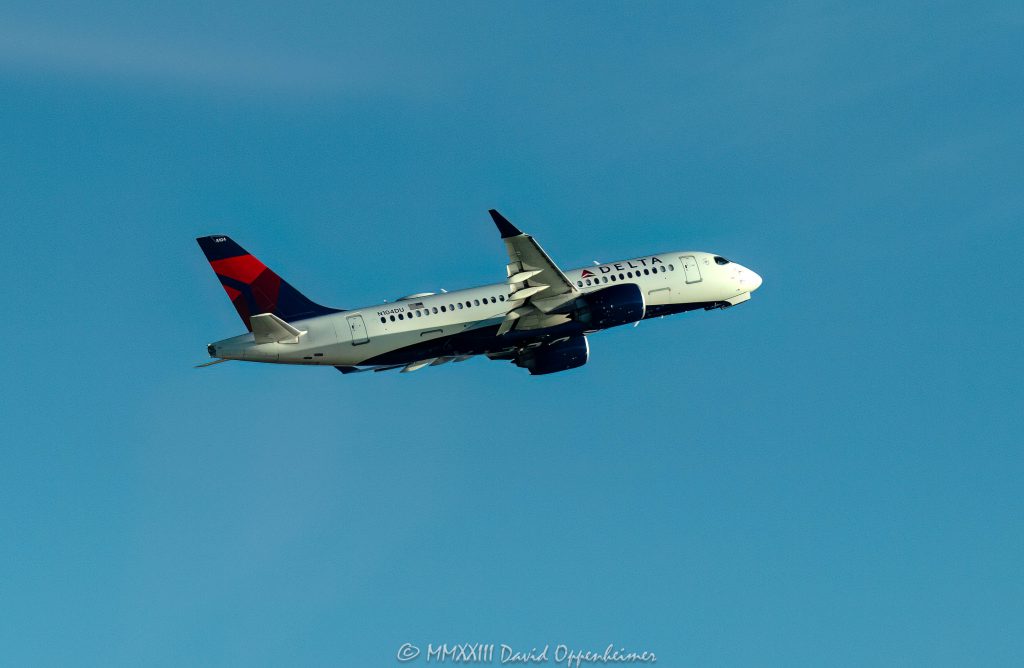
column 690, row 268
column 357, row 328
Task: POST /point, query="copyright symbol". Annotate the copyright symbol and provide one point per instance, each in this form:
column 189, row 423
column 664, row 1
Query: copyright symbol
column 408, row 652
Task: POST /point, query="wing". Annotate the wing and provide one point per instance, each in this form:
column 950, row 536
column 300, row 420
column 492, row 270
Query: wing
column 406, row 368
column 536, row 284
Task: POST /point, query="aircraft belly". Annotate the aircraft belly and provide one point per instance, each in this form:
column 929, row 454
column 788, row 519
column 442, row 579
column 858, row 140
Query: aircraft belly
column 467, row 342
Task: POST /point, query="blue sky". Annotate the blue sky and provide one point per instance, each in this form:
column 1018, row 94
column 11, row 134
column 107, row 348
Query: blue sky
column 827, row 475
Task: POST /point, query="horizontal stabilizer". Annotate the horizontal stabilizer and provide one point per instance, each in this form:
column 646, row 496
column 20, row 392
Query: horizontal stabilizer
column 268, row 328
column 206, row 364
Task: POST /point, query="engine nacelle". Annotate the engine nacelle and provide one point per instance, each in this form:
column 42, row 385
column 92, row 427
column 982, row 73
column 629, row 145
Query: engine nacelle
column 559, row 356
column 612, row 306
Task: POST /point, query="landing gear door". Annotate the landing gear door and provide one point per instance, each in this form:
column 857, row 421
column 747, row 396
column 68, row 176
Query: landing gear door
column 357, row 329
column 690, row 269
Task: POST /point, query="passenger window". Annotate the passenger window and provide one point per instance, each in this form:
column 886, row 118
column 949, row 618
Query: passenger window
column 451, row 307
column 401, row 317
column 647, row 272
column 435, row 309
column 469, row 304
column 604, row 279
column 622, row 277
column 579, row 284
column 501, row 297
column 613, row 278
column 629, row 274
column 476, row 302
column 383, row 319
column 671, row 268
column 663, row 269
column 443, row 309
column 392, row 318
column 460, row 306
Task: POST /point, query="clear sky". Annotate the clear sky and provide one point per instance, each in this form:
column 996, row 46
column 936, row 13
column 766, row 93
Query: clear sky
column 829, row 474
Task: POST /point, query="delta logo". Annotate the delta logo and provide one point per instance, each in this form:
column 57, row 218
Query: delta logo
column 587, row 273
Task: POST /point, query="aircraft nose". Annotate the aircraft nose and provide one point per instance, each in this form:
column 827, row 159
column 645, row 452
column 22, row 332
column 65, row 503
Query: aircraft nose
column 749, row 280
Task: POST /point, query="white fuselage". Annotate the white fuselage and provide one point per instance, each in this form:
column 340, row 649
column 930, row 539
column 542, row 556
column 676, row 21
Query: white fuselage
column 464, row 322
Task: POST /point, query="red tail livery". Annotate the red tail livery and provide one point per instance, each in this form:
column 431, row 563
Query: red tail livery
column 252, row 287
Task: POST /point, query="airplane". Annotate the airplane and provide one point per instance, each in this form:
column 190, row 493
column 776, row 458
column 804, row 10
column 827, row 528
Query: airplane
column 539, row 318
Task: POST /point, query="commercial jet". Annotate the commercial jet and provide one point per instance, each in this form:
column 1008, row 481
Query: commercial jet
column 539, row 318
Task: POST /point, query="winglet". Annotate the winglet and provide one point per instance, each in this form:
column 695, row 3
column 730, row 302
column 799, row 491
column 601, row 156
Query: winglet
column 506, row 228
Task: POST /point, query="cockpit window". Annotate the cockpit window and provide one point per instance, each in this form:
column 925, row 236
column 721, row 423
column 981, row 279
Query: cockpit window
column 720, row 260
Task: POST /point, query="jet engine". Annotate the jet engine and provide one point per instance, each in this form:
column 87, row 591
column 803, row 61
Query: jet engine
column 612, row 306
column 561, row 355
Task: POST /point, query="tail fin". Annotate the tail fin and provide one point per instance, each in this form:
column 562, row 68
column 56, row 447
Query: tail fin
column 252, row 287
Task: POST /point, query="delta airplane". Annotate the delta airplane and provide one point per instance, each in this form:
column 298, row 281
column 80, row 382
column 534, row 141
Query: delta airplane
column 538, row 318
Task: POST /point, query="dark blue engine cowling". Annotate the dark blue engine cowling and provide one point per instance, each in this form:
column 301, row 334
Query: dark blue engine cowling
column 559, row 356
column 612, row 306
